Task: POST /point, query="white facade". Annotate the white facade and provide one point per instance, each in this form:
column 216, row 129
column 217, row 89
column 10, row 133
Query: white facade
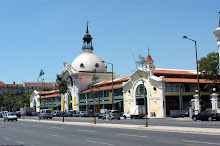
column 35, row 100
column 80, row 72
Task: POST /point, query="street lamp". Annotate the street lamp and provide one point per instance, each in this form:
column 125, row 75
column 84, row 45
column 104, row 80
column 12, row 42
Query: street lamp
column 185, row 37
column 112, row 85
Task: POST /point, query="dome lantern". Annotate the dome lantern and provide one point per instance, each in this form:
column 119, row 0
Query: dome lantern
column 87, row 41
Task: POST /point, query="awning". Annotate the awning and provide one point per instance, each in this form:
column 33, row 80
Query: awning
column 82, row 104
column 108, row 102
column 96, row 103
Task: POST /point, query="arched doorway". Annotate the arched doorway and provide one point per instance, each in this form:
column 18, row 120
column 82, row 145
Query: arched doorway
column 139, row 94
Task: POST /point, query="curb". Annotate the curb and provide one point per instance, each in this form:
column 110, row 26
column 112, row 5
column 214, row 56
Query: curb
column 206, row 131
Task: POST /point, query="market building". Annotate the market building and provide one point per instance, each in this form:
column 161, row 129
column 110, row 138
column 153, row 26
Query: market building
column 80, row 72
column 45, row 100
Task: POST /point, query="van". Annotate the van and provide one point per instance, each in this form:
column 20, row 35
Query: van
column 46, row 113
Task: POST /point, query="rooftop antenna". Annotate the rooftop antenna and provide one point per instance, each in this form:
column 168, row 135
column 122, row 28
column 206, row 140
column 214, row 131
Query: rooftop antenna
column 134, row 60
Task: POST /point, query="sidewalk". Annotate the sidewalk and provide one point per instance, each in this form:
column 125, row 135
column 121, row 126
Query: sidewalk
column 206, row 131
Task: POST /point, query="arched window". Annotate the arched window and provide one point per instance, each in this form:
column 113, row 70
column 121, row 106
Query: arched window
column 140, row 94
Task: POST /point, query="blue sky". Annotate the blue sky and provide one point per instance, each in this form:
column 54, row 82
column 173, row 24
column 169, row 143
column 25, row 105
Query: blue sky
column 42, row 34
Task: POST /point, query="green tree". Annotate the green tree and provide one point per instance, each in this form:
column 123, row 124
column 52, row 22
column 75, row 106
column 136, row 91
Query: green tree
column 92, row 90
column 2, row 100
column 209, row 67
column 62, row 86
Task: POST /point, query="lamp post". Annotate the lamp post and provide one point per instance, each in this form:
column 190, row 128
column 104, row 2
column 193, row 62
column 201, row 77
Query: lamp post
column 185, row 37
column 112, row 86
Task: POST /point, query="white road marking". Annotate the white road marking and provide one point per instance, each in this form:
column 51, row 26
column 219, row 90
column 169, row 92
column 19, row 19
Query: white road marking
column 19, row 142
column 99, row 142
column 85, row 130
column 6, row 138
column 55, row 135
column 28, row 131
column 132, row 135
column 202, row 142
column 169, row 142
column 36, row 125
column 56, row 128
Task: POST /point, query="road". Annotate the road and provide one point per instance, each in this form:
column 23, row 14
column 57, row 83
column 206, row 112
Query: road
column 178, row 122
column 40, row 133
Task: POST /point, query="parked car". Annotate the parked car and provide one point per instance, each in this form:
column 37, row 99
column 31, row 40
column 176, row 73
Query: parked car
column 81, row 114
column 84, row 114
column 35, row 113
column 18, row 114
column 70, row 114
column 100, row 115
column 58, row 114
column 91, row 114
column 207, row 115
column 46, row 113
column 113, row 114
column 10, row 116
column 1, row 115
column 66, row 114
column 185, row 112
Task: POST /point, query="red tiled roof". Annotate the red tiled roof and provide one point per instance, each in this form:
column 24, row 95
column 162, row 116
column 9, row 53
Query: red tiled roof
column 12, row 85
column 114, row 81
column 104, row 88
column 149, row 59
column 185, row 80
column 49, row 96
column 174, row 72
column 48, row 92
column 40, row 84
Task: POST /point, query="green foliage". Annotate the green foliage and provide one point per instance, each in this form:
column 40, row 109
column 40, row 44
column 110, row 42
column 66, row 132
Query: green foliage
column 141, row 61
column 14, row 102
column 94, row 81
column 62, row 84
column 209, row 67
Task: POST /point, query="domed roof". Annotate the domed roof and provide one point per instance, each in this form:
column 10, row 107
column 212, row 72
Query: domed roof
column 87, row 35
column 88, row 61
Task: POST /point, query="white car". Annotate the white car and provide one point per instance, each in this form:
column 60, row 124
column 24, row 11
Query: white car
column 10, row 116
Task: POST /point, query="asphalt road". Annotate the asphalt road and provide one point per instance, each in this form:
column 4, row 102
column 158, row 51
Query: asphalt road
column 176, row 122
column 35, row 133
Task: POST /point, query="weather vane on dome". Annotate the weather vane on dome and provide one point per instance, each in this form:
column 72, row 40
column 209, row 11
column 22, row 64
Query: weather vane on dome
column 87, row 26
column 148, row 50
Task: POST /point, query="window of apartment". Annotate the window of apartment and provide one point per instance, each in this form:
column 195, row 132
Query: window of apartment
column 118, row 92
column 192, row 87
column 172, row 87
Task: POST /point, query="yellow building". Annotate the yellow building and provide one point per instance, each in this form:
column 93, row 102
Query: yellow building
column 154, row 88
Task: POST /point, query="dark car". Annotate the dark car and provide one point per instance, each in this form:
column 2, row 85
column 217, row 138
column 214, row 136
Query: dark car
column 77, row 114
column 35, row 113
column 18, row 114
column 58, row 114
column 65, row 114
column 81, row 114
column 70, row 114
column 207, row 115
column 1, row 115
column 185, row 112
